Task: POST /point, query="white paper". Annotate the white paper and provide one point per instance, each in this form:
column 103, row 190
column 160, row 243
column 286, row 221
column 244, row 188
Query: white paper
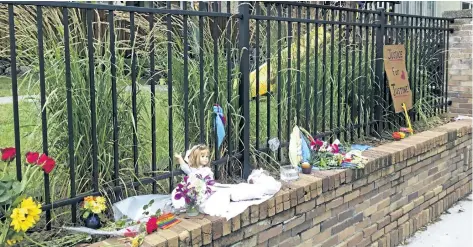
column 132, row 207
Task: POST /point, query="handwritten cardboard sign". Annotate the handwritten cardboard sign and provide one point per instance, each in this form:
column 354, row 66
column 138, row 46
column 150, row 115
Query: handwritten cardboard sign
column 398, row 81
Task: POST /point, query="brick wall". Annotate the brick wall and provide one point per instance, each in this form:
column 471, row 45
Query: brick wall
column 460, row 63
column 404, row 186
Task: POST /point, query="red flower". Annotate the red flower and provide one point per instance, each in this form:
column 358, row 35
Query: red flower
column 46, row 163
column 152, row 225
column 8, row 154
column 32, row 157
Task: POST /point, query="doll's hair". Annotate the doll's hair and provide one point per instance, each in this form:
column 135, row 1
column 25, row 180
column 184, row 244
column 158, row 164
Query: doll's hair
column 194, row 155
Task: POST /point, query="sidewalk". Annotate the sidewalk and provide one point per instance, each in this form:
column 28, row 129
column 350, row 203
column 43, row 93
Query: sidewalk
column 453, row 228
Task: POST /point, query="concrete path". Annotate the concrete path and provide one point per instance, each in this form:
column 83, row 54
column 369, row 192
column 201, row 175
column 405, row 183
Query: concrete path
column 27, row 98
column 453, row 228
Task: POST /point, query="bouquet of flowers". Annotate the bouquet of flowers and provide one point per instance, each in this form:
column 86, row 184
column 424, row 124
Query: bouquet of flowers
column 93, row 205
column 20, row 212
column 195, row 189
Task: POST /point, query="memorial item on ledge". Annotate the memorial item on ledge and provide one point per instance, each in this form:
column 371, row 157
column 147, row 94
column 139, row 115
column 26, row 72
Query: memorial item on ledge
column 406, row 130
column 398, row 135
column 306, row 168
column 195, row 189
column 306, row 151
column 91, row 209
column 196, row 161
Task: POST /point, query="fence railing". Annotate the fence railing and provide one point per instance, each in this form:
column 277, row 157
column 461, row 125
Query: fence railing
column 114, row 128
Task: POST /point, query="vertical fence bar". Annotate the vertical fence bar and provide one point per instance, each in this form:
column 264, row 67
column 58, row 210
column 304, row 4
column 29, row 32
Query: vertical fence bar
column 257, row 60
column 446, row 63
column 410, row 39
column 360, row 76
column 298, row 74
column 365, row 77
column 372, row 74
column 289, row 76
column 153, row 97
column 113, row 71
column 14, row 80
column 90, row 47
column 316, row 78
column 229, row 81
column 279, row 7
column 332, row 58
column 416, row 67
column 201, row 75
column 442, row 65
column 421, row 65
column 134, row 94
column 186, row 79
column 268, row 76
column 170, row 106
column 215, row 75
column 44, row 121
column 324, row 68
column 353, row 78
column 379, row 72
column 438, row 94
column 347, row 48
column 70, row 126
column 339, row 75
column 244, row 87
column 307, row 72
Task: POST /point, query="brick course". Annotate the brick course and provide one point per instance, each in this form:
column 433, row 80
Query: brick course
column 381, row 205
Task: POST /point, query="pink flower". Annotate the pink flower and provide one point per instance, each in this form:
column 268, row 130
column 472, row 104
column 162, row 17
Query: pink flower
column 152, row 225
column 314, row 145
column 335, row 149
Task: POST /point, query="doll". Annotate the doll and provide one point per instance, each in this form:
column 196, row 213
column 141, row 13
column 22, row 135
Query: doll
column 197, row 160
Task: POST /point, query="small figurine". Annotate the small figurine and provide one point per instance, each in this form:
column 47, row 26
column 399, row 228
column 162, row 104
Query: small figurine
column 197, row 159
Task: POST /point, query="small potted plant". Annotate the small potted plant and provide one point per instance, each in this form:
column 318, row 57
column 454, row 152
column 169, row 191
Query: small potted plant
column 91, row 210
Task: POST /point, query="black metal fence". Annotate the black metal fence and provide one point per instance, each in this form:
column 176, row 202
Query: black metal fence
column 320, row 67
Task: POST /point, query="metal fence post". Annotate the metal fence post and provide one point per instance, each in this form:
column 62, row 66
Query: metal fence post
column 379, row 72
column 244, row 87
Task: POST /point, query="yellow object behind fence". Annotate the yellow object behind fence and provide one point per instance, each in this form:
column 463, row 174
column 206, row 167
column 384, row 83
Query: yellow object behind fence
column 263, row 69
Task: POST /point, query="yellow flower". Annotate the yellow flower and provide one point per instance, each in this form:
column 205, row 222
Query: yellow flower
column 25, row 215
column 137, row 241
column 100, row 200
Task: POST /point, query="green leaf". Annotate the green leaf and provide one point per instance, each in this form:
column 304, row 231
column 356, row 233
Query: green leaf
column 151, row 202
column 17, row 188
column 5, row 197
column 158, row 212
column 145, row 207
column 18, row 200
column 86, row 214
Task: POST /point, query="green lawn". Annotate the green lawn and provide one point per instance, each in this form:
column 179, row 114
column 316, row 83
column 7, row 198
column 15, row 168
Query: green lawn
column 29, row 119
column 23, row 88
